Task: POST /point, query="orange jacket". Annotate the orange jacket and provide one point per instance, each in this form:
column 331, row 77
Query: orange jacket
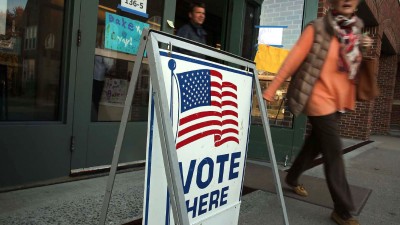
column 332, row 92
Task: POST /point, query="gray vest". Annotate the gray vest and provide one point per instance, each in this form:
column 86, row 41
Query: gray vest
column 302, row 83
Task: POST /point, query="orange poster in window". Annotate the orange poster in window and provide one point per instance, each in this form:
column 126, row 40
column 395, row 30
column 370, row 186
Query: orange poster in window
column 270, row 58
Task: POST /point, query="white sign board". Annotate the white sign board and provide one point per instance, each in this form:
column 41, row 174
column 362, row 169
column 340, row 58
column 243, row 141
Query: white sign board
column 138, row 7
column 270, row 35
column 198, row 147
column 210, row 111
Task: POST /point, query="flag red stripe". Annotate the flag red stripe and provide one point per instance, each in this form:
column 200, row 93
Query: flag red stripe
column 233, row 122
column 229, row 113
column 199, row 115
column 216, row 94
column 215, row 103
column 230, row 85
column 230, row 130
column 230, row 94
column 196, row 137
column 216, row 74
column 216, row 84
column 231, row 103
column 199, row 126
column 223, row 141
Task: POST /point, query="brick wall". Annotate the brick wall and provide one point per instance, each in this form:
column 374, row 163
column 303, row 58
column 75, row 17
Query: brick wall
column 357, row 124
column 395, row 117
column 389, row 12
column 284, row 13
column 397, row 86
column 383, row 103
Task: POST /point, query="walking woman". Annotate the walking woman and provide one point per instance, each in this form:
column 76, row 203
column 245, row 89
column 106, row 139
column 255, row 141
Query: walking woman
column 324, row 64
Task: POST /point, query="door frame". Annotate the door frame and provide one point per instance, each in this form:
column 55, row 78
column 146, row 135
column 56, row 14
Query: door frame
column 285, row 152
column 94, row 142
column 35, row 152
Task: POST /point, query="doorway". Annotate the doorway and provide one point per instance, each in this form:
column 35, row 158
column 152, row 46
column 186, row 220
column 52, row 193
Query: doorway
column 213, row 24
column 103, row 74
column 49, row 126
column 35, row 126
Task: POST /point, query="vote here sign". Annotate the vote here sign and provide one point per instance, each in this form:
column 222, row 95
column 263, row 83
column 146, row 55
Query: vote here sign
column 210, row 107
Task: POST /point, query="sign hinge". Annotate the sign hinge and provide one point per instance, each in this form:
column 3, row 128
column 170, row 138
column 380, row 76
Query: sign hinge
column 79, row 38
column 72, row 144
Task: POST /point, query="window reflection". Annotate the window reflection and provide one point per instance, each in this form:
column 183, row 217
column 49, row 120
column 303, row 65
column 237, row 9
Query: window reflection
column 30, row 59
column 278, row 113
column 113, row 64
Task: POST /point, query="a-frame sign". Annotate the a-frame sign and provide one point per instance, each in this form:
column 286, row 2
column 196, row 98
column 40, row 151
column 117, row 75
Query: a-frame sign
column 198, row 129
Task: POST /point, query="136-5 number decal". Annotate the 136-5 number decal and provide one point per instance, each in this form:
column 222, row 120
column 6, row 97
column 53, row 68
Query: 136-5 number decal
column 134, row 3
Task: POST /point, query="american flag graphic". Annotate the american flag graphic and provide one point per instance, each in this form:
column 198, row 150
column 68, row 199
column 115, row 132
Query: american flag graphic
column 208, row 106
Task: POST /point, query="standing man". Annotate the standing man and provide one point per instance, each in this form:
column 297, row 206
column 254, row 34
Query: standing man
column 194, row 30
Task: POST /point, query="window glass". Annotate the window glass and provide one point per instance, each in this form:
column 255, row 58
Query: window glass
column 117, row 40
column 288, row 14
column 278, row 113
column 30, row 59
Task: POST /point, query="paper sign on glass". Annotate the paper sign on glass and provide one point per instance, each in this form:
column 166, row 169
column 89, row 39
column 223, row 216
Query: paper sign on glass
column 123, row 34
column 138, row 7
column 270, row 35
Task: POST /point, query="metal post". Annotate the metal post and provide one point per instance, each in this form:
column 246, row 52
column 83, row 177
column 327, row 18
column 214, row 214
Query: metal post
column 122, row 126
column 267, row 133
column 175, row 188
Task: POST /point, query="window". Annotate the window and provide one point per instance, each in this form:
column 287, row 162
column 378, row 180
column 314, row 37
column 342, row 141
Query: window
column 288, row 14
column 278, row 113
column 113, row 63
column 30, row 38
column 30, row 72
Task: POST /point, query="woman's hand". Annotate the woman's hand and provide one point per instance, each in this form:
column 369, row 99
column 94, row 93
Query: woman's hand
column 366, row 42
column 267, row 97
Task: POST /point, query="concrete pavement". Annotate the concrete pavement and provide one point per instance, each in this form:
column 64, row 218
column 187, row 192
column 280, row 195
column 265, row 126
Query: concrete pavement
column 373, row 166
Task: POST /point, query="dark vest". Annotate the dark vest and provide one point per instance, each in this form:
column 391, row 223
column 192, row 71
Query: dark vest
column 303, row 81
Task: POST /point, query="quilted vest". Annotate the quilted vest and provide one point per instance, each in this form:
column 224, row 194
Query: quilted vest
column 303, row 80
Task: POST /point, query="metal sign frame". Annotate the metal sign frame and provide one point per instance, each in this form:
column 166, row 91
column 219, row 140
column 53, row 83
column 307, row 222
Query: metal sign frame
column 150, row 42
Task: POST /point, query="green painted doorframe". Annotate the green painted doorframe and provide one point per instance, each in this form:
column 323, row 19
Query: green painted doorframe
column 37, row 151
column 94, row 142
column 234, row 39
column 87, row 17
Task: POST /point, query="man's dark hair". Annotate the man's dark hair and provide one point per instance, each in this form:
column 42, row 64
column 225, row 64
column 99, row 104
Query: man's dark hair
column 196, row 4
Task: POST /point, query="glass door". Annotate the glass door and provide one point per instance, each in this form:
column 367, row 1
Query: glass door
column 287, row 131
column 110, row 32
column 35, row 122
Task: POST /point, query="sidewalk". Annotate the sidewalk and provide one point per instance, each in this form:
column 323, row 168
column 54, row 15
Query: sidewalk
column 373, row 166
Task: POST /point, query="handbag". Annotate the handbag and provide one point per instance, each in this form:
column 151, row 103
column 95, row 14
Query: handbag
column 367, row 85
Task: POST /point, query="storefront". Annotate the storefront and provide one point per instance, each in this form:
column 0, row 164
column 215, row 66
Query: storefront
column 64, row 81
